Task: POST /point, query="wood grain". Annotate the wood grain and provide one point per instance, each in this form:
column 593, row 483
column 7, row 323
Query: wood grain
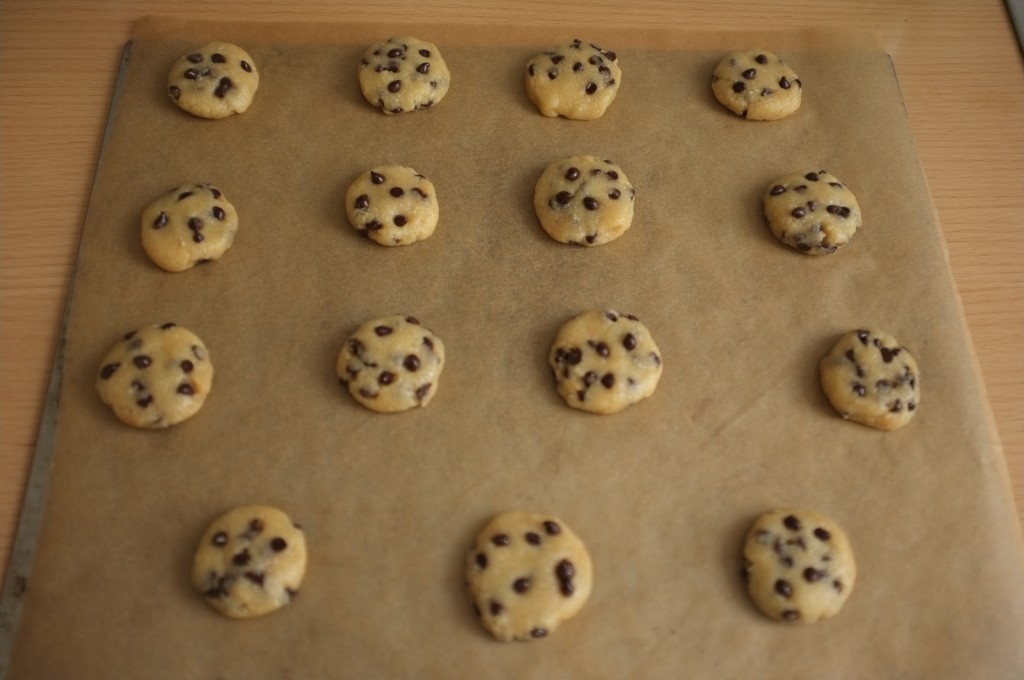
column 959, row 66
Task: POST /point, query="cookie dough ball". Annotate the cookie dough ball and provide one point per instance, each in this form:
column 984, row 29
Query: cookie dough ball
column 214, row 81
column 250, row 562
column 403, row 74
column 798, row 566
column 526, row 574
column 392, row 205
column 757, row 85
column 584, row 200
column 578, row 81
column 156, row 376
column 812, row 211
column 604, row 361
column 188, row 225
column 391, row 364
column 871, row 379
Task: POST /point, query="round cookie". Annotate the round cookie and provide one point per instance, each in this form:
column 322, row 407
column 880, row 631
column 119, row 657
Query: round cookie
column 403, row 74
column 250, row 561
column 188, row 225
column 871, row 379
column 215, row 81
column 391, row 364
column 604, row 361
column 156, row 376
column 578, row 81
column 756, row 85
column 526, row 574
column 798, row 566
column 812, row 211
column 584, row 200
column 393, row 205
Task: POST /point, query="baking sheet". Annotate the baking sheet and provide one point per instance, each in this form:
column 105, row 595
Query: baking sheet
column 661, row 493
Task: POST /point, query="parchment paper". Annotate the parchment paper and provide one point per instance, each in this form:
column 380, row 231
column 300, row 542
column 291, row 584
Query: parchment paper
column 662, row 493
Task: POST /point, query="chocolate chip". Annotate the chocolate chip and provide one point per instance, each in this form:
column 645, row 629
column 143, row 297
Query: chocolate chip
column 481, row 560
column 394, row 86
column 215, row 191
column 255, row 576
column 425, row 53
column 563, row 197
column 411, row 363
column 608, row 380
column 552, row 73
column 386, row 378
column 790, row 615
column 552, row 528
column 589, row 378
column 811, row 574
column 565, row 571
column 896, row 407
column 614, row 194
column 362, row 202
column 256, row 526
column 783, row 587
column 859, row 389
column 246, row 67
column 577, row 67
column 530, row 70
column 750, row 74
column 761, row 59
column 220, row 539
column 500, row 540
column 813, row 176
column 142, row 361
column 777, row 189
column 376, row 177
column 174, row 91
column 591, row 203
column 185, row 194
column 572, row 174
column 610, row 56
column 532, row 538
column 191, row 74
column 107, row 371
column 784, row 83
column 185, row 389
column 521, row 585
column 822, row 533
column 629, row 342
column 195, row 57
column 738, row 87
column 218, row 213
column 423, row 68
column 278, row 544
column 495, row 608
column 223, row 87
column 792, row 522
column 863, row 337
column 422, row 391
column 145, row 401
column 887, row 355
column 241, row 559
column 602, row 349
column 573, row 356
column 382, row 331
column 798, row 212
column 218, row 58
column 539, row 632
column 591, row 88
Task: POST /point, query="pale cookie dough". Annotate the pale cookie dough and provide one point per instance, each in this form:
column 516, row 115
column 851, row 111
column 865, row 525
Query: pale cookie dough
column 526, row 574
column 403, row 74
column 757, row 85
column 584, row 200
column 812, row 211
column 188, row 225
column 392, row 205
column 250, row 562
column 871, row 379
column 214, row 81
column 604, row 361
column 156, row 376
column 577, row 81
column 391, row 364
column 798, row 566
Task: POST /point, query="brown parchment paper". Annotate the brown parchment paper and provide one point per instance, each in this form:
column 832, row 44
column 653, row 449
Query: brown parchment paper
column 662, row 493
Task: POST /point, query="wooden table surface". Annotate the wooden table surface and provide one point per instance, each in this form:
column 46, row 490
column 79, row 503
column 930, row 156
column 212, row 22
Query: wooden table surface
column 959, row 66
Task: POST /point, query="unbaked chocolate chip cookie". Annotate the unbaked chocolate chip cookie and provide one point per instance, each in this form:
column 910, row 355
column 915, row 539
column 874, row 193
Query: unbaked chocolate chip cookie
column 871, row 379
column 812, row 211
column 584, row 200
column 527, row 573
column 798, row 566
column 391, row 364
column 250, row 562
column 392, row 205
column 578, row 81
column 188, row 225
column 757, row 85
column 403, row 74
column 215, row 81
column 604, row 361
column 156, row 376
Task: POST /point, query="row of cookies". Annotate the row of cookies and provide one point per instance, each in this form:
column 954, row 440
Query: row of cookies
column 526, row 573
column 578, row 81
column 602, row 362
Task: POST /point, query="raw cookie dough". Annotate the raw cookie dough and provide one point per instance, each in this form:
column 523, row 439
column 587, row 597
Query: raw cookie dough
column 156, row 376
column 811, row 211
column 870, row 379
column 391, row 364
column 403, row 74
column 214, row 81
column 577, row 81
column 604, row 361
column 393, row 205
column 757, row 85
column 250, row 562
column 798, row 566
column 188, row 225
column 584, row 200
column 526, row 574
